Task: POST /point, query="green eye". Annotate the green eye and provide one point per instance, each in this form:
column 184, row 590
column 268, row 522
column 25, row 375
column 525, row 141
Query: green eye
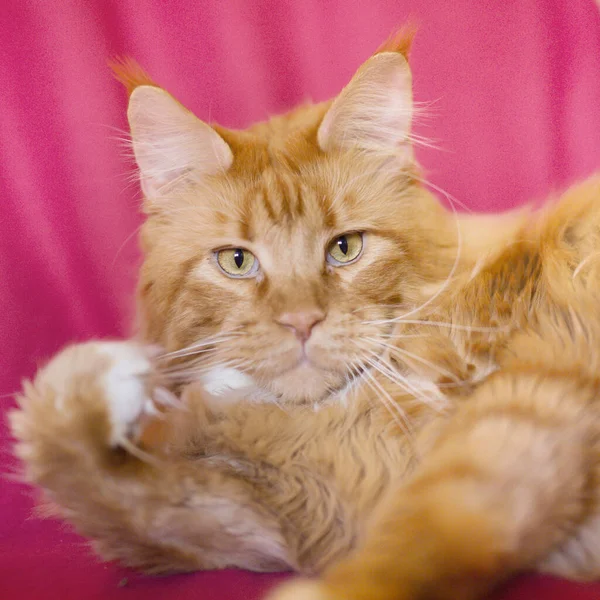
column 237, row 262
column 345, row 249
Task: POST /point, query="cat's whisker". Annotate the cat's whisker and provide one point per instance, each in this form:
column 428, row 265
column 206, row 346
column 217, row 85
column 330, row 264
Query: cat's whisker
column 353, row 377
column 449, row 278
column 242, row 365
column 357, row 370
column 200, row 363
column 191, row 374
column 401, row 381
column 211, row 347
column 443, row 287
column 443, row 324
column 125, row 242
column 198, row 366
column 452, row 199
column 395, row 411
column 219, row 338
column 403, row 336
column 407, row 353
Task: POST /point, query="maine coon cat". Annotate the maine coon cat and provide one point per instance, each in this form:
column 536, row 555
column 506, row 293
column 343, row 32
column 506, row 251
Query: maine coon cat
column 334, row 373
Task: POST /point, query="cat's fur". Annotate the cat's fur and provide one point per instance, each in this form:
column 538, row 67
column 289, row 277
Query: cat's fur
column 443, row 433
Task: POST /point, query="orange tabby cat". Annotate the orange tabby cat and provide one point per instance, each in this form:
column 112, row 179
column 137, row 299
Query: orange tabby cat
column 353, row 381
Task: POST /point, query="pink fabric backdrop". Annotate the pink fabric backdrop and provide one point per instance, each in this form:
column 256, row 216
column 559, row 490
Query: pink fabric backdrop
column 515, row 87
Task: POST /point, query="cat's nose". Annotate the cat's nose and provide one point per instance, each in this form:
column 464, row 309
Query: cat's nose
column 301, row 322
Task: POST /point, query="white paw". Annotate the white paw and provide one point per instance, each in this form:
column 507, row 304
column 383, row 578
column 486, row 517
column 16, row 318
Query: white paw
column 126, row 388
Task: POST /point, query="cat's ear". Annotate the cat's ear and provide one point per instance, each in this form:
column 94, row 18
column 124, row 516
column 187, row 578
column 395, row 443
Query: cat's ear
column 374, row 111
column 170, row 143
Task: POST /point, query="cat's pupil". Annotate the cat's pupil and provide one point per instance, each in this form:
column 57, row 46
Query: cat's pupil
column 343, row 244
column 238, row 257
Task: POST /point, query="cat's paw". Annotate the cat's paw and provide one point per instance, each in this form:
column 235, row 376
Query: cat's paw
column 301, row 589
column 104, row 385
column 128, row 392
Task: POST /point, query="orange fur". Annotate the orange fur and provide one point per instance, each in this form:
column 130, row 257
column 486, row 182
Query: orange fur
column 401, row 41
column 434, row 431
column 128, row 72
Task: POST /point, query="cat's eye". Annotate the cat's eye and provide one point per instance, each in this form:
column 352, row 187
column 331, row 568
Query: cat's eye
column 237, row 262
column 345, row 249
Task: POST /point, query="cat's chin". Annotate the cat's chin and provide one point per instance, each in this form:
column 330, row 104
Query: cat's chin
column 305, row 383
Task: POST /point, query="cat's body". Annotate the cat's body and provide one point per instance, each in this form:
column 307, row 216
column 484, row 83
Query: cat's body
column 441, row 419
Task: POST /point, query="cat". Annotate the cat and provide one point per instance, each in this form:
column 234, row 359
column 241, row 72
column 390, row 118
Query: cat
column 334, row 373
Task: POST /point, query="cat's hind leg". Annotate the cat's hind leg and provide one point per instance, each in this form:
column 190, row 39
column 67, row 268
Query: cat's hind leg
column 507, row 482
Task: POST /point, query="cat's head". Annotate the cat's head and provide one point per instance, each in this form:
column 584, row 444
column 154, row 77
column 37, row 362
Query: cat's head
column 284, row 250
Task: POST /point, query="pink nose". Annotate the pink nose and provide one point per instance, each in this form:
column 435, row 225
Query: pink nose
column 301, row 322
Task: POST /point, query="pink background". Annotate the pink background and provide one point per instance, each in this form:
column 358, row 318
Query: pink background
column 516, row 112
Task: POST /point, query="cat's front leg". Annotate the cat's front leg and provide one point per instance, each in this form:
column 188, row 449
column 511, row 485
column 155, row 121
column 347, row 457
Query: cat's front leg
column 81, row 410
column 77, row 428
column 509, row 480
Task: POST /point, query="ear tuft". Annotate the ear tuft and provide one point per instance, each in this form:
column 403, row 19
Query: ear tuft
column 128, row 72
column 401, row 40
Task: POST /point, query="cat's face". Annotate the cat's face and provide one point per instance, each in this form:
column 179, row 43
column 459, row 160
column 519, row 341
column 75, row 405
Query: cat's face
column 284, row 251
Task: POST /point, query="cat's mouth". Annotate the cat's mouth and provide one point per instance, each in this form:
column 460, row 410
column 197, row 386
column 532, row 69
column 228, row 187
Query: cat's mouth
column 304, row 363
column 314, row 360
